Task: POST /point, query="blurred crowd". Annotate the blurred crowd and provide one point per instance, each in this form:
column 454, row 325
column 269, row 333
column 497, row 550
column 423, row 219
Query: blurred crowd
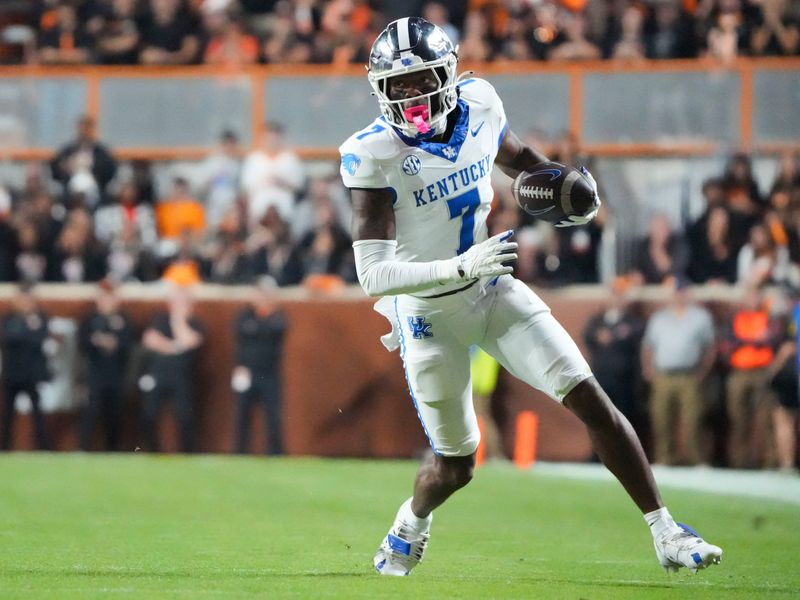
column 229, row 33
column 83, row 217
column 237, row 215
column 745, row 235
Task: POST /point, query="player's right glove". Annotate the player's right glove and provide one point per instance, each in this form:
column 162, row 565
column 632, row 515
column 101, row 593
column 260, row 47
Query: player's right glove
column 573, row 220
column 486, row 259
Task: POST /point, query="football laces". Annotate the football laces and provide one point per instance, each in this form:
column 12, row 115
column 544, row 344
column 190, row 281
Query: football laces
column 536, row 192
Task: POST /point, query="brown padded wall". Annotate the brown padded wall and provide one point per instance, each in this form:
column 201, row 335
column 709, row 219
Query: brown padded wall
column 344, row 394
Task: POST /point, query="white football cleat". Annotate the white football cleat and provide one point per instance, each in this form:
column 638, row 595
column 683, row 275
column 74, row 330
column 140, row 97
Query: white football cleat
column 401, row 550
column 681, row 546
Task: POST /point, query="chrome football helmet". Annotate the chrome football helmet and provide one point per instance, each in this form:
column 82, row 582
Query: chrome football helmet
column 408, row 45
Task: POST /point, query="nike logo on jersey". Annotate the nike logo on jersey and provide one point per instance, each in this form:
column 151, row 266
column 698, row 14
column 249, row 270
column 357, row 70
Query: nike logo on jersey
column 475, row 131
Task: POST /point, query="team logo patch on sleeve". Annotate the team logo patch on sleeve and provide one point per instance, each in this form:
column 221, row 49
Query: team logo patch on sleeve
column 411, row 165
column 350, row 163
column 420, row 327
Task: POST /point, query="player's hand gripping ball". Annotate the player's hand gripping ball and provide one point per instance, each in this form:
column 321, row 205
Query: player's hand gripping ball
column 558, row 194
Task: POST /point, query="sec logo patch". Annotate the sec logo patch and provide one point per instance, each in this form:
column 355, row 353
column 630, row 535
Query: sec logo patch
column 411, row 165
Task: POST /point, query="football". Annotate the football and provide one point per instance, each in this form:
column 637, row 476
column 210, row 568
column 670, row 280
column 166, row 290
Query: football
column 553, row 192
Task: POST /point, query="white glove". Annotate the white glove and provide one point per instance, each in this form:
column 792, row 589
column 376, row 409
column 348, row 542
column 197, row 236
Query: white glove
column 486, row 259
column 573, row 220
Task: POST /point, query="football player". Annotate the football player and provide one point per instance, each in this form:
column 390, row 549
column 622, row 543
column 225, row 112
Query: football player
column 419, row 178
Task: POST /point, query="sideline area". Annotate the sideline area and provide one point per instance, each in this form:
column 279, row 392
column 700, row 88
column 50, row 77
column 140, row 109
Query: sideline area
column 771, row 485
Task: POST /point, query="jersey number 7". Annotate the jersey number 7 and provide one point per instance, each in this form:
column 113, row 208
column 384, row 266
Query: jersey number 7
column 470, row 201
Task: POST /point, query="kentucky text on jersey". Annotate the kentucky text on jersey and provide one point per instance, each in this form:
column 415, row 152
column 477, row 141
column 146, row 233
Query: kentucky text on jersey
column 453, row 182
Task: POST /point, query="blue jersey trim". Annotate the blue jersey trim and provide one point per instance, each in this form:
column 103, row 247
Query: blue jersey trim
column 394, row 194
column 450, row 150
column 408, row 379
column 466, row 82
column 502, row 134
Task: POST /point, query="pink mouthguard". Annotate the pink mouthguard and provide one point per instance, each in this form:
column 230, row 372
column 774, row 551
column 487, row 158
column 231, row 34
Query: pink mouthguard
column 419, row 116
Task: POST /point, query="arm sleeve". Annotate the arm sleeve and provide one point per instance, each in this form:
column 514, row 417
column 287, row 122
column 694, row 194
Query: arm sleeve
column 381, row 275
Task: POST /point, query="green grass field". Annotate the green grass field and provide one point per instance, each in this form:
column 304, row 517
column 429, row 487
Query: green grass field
column 138, row 526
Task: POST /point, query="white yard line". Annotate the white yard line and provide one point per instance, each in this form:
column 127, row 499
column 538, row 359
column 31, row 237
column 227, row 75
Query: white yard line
column 783, row 487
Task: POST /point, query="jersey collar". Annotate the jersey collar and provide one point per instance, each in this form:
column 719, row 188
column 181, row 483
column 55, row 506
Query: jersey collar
column 448, row 150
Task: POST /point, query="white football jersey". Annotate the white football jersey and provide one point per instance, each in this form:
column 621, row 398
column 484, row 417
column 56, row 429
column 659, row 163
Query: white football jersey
column 442, row 192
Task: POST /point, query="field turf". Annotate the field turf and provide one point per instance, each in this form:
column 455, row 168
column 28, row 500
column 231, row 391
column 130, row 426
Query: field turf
column 139, row 526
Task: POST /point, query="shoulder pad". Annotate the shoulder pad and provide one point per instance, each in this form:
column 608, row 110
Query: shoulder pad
column 478, row 92
column 376, row 139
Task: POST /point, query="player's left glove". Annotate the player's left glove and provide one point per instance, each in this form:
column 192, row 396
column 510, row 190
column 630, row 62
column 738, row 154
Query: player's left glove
column 573, row 220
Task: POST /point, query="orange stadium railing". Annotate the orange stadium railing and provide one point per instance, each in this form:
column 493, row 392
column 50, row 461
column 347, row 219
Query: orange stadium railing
column 576, row 72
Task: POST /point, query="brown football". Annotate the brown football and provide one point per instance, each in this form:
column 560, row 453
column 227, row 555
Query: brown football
column 552, row 191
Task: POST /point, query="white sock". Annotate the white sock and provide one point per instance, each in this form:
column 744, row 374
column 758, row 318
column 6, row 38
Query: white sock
column 407, row 515
column 659, row 520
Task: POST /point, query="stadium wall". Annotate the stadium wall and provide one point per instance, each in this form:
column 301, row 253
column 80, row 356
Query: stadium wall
column 344, row 394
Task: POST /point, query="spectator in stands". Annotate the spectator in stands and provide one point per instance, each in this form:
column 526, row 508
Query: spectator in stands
column 630, row 46
column 787, row 176
column 726, row 36
column 712, row 256
column 142, row 178
column 740, row 185
column 46, row 216
column 613, row 337
column 169, row 35
column 272, row 175
column 546, row 30
column 714, row 196
column 188, row 264
column 260, row 333
column 677, row 354
column 24, row 333
column 106, row 340
column 320, row 189
column 662, row 254
column 65, row 41
column 127, row 228
column 118, row 35
column 474, row 44
column 126, row 218
column 749, row 342
column 220, row 179
column 31, row 260
column 84, row 166
column 669, row 32
column 273, row 251
column 229, row 262
column 762, row 261
column 326, row 249
column 172, row 340
column 439, row 14
column 178, row 213
column 575, row 45
column 282, row 35
column 778, row 32
column 76, row 257
column 232, row 46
